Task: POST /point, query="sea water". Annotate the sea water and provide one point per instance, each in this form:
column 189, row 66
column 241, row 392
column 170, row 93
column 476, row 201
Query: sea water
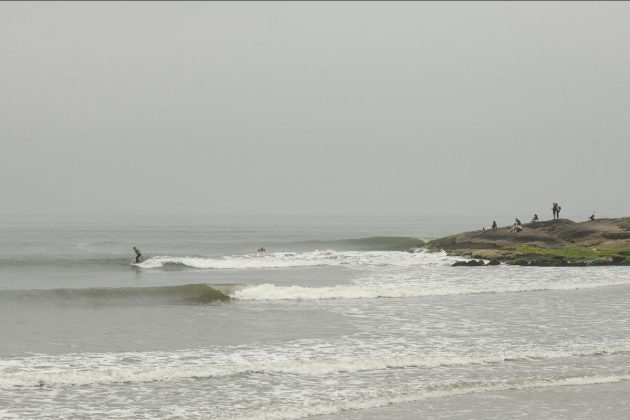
column 341, row 317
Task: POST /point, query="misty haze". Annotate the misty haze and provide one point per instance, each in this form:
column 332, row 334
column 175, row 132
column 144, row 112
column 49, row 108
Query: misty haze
column 327, row 210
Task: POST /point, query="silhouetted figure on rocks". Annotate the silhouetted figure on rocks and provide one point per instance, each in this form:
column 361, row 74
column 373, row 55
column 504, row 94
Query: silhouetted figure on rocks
column 494, row 224
column 556, row 210
column 535, row 218
column 592, row 218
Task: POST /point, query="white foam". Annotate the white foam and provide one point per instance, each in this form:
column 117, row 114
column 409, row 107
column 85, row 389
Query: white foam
column 439, row 392
column 272, row 292
column 107, row 368
column 307, row 259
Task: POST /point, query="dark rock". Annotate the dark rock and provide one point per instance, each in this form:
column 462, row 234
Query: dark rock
column 602, row 261
column 494, row 262
column 469, row 263
column 518, row 261
column 577, row 263
column 616, row 235
column 550, row 262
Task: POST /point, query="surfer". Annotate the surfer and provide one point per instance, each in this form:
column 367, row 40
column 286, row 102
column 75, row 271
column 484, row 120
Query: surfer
column 261, row 249
column 138, row 254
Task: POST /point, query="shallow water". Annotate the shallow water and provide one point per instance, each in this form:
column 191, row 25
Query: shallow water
column 341, row 317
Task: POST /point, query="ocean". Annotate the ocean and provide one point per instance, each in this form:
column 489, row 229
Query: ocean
column 340, row 318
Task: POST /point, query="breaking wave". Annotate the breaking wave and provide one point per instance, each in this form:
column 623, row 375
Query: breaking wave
column 208, row 293
column 85, row 369
column 306, row 259
column 273, row 292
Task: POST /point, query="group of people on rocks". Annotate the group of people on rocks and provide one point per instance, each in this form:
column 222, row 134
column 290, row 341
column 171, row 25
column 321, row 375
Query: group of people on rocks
column 517, row 226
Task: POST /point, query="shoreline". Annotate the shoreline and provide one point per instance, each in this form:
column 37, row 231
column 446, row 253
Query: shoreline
column 586, row 401
column 550, row 243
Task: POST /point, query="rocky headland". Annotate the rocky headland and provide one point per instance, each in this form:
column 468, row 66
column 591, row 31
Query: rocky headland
column 560, row 242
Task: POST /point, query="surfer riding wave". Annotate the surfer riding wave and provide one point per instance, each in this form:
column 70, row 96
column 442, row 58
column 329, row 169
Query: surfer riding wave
column 138, row 254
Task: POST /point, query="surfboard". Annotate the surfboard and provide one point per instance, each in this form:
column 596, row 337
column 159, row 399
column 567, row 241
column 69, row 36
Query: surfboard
column 141, row 260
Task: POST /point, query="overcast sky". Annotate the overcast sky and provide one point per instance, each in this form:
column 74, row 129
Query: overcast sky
column 315, row 108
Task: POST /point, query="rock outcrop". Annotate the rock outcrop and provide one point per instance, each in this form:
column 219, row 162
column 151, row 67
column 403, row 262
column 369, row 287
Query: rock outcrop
column 559, row 242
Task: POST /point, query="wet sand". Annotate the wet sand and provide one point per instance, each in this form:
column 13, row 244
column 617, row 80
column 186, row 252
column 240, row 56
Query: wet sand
column 609, row 401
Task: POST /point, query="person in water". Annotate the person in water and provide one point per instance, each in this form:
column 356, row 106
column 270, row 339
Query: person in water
column 138, row 254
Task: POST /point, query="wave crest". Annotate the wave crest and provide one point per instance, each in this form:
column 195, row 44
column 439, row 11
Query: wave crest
column 184, row 294
column 371, row 243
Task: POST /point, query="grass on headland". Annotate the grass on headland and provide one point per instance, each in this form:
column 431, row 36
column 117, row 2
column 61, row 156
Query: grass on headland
column 572, row 253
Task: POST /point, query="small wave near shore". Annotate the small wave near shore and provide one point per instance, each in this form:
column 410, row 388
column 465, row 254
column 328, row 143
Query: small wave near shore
column 160, row 367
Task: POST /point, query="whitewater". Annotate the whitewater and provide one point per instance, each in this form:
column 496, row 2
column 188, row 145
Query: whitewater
column 340, row 318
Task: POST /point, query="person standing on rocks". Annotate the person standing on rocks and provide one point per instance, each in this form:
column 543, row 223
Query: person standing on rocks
column 558, row 210
column 494, row 224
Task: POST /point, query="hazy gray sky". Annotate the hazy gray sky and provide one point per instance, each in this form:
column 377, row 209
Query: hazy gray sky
column 317, row 108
